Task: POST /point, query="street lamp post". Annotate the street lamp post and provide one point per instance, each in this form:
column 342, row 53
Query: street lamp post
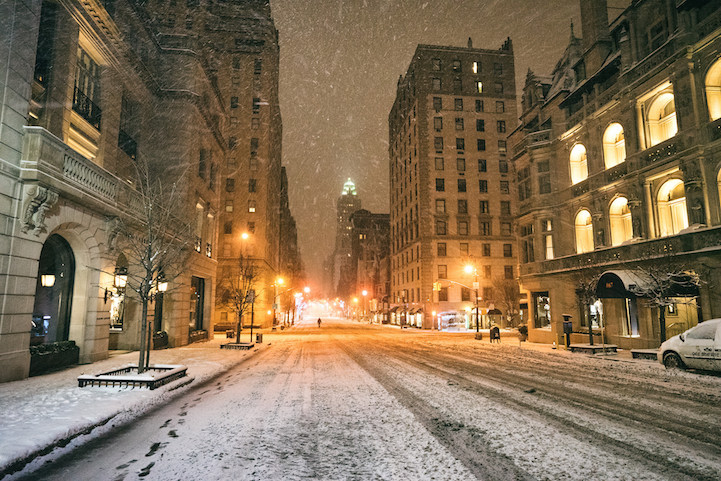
column 471, row 269
column 365, row 297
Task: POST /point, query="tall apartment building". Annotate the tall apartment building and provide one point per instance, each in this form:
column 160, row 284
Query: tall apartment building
column 89, row 90
column 370, row 262
column 242, row 42
column 339, row 268
column 618, row 160
column 451, row 189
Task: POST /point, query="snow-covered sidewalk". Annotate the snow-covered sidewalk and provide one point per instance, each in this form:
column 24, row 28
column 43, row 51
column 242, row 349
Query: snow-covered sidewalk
column 42, row 411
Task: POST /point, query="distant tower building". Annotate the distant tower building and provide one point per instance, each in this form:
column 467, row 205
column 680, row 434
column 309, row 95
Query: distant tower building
column 451, row 198
column 347, row 204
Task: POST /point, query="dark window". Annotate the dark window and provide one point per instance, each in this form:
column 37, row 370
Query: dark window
column 440, row 227
column 481, row 165
column 257, row 66
column 461, row 165
column 440, row 185
column 252, row 185
column 439, row 163
column 504, row 187
column 485, row 228
column 544, row 184
column 437, row 104
column 460, row 144
column 505, row 207
column 461, row 185
column 443, row 272
column 481, row 144
column 251, row 227
column 479, row 105
column 233, row 102
column 457, row 85
column 46, row 41
column 498, row 69
column 465, row 294
column 256, row 105
column 508, row 272
column 440, row 206
column 441, row 250
column 483, row 206
column 486, row 250
column 462, row 206
column 483, row 186
column 202, row 163
column 236, row 63
column 462, row 227
column 459, row 123
column 436, row 84
column 502, row 166
column 499, row 87
column 505, row 228
column 228, row 227
column 443, row 294
column 501, row 126
column 480, row 125
column 438, row 123
column 230, row 185
column 436, row 64
column 507, row 250
column 438, row 143
column 458, row 104
column 500, row 107
column 253, row 147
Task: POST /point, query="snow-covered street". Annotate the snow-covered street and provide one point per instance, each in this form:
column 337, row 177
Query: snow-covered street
column 352, row 401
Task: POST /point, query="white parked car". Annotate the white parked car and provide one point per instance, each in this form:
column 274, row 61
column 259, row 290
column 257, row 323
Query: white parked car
column 697, row 348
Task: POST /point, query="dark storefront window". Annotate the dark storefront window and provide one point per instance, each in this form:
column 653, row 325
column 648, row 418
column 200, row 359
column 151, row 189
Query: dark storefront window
column 542, row 309
column 197, row 298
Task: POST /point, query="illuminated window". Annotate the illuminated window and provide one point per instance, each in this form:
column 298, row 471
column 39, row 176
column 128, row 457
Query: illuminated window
column 620, row 218
column 251, row 206
column 713, row 90
column 658, row 111
column 579, row 164
column 672, row 215
column 614, row 145
column 584, row 232
column 479, row 86
column 476, row 67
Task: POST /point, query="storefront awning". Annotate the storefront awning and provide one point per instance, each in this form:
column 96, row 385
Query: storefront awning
column 623, row 283
column 394, row 309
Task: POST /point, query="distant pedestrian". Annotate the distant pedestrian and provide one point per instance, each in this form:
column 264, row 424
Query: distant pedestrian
column 319, row 322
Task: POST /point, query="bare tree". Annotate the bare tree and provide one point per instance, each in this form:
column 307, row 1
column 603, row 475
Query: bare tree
column 586, row 281
column 237, row 287
column 659, row 281
column 156, row 240
column 508, row 295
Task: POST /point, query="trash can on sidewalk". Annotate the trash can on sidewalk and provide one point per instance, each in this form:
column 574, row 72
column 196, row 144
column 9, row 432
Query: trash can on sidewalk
column 259, row 338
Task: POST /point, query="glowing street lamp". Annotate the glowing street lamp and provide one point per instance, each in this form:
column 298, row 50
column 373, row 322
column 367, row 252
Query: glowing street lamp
column 471, row 269
column 306, row 290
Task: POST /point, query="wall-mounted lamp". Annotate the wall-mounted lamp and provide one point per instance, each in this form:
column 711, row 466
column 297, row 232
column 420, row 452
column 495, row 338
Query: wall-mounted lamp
column 47, row 280
column 121, row 277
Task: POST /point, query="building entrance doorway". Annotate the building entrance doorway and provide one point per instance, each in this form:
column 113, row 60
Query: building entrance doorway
column 53, row 292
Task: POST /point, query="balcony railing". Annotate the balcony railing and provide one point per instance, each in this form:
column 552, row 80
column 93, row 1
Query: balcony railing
column 86, row 108
column 49, row 161
column 696, row 241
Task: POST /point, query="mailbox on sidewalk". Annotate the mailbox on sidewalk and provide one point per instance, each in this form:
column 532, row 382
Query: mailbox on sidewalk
column 567, row 328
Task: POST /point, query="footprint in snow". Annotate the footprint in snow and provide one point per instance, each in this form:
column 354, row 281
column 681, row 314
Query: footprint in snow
column 173, row 434
column 146, row 470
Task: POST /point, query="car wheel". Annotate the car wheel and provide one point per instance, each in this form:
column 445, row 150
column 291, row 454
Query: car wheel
column 673, row 361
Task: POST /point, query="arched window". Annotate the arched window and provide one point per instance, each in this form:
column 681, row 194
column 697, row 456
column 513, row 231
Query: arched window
column 621, row 225
column 579, row 164
column 584, row 232
column 614, row 145
column 661, row 119
column 672, row 215
column 713, row 90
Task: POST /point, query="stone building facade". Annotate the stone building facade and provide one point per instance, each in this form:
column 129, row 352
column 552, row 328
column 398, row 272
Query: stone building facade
column 451, row 190
column 618, row 167
column 90, row 89
column 370, row 263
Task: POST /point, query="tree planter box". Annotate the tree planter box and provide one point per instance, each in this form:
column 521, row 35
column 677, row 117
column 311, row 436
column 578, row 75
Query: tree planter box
column 154, row 377
column 243, row 346
column 50, row 357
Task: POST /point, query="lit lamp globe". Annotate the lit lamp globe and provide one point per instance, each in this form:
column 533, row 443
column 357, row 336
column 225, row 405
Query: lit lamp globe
column 469, row 269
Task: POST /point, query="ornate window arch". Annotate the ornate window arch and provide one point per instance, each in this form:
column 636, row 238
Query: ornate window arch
column 671, row 204
column 713, row 90
column 584, row 232
column 578, row 163
column 621, row 223
column 614, row 145
column 661, row 119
